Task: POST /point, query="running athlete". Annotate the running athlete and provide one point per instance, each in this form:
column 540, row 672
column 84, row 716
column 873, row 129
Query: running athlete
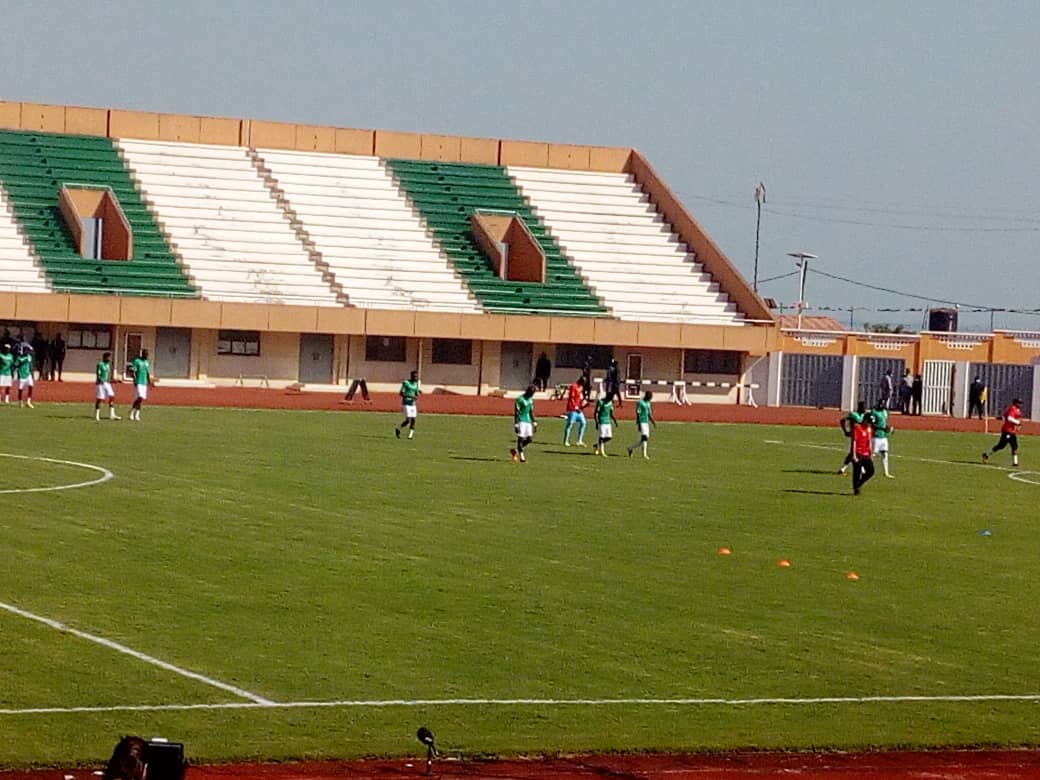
column 860, row 452
column 409, row 393
column 575, row 405
column 605, row 421
column 141, row 371
column 103, row 385
column 1008, row 432
column 523, row 423
column 6, row 371
column 846, row 423
column 644, row 419
column 23, row 366
column 879, row 422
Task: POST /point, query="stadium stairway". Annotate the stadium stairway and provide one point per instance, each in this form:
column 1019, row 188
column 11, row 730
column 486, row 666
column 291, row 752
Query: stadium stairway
column 33, row 168
column 350, row 214
column 630, row 256
column 227, row 226
column 18, row 268
column 446, row 194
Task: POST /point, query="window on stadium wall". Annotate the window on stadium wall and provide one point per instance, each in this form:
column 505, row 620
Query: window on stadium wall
column 711, row 361
column 385, row 349
column 453, row 352
column 238, row 342
column 89, row 337
column 573, row 355
column 26, row 330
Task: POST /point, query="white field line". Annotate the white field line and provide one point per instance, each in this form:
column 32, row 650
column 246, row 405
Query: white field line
column 1017, row 474
column 621, row 702
column 105, row 474
column 259, row 700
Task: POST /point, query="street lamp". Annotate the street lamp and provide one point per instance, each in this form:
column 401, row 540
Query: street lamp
column 760, row 198
column 803, row 259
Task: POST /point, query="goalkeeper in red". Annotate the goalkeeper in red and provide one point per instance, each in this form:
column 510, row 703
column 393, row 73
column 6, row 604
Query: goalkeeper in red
column 1008, row 432
column 644, row 419
column 523, row 423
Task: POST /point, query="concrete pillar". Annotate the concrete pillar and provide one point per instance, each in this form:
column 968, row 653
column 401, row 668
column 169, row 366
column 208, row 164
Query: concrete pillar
column 776, row 364
column 849, row 367
column 1035, row 412
column 961, row 380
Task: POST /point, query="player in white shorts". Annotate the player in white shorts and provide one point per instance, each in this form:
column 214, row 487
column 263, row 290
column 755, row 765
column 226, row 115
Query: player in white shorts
column 6, row 371
column 644, row 418
column 103, row 385
column 142, row 373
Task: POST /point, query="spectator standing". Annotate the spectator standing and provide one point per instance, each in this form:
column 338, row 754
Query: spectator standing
column 916, row 394
column 976, row 397
column 40, row 345
column 906, row 391
column 885, row 388
column 542, row 372
column 613, row 382
column 57, row 353
column 586, row 378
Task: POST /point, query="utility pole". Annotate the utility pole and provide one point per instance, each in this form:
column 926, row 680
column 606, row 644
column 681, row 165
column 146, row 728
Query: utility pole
column 802, row 259
column 760, row 198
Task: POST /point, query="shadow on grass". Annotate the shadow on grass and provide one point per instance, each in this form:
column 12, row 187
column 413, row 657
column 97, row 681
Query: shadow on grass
column 810, row 471
column 481, row 460
column 815, row 492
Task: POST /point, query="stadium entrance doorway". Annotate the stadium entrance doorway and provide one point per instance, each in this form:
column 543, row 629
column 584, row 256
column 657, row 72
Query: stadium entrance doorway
column 173, row 352
column 516, row 365
column 315, row 358
column 938, row 381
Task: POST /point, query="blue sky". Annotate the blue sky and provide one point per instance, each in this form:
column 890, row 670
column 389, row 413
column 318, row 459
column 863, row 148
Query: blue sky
column 897, row 140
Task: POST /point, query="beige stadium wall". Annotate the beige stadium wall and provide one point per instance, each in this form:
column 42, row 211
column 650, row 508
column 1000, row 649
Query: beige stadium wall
column 279, row 361
column 452, row 378
column 153, row 126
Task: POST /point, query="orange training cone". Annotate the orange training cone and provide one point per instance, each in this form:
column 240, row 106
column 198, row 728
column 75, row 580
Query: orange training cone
column 851, row 575
column 725, row 551
column 783, row 563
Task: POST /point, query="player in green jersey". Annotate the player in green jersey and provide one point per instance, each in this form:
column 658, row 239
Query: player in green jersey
column 879, row 419
column 103, row 385
column 846, row 424
column 141, row 371
column 605, row 422
column 644, row 419
column 523, row 423
column 409, row 393
column 23, row 365
column 6, row 371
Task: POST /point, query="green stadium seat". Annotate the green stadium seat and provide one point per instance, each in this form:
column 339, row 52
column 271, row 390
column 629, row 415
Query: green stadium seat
column 446, row 194
column 33, row 166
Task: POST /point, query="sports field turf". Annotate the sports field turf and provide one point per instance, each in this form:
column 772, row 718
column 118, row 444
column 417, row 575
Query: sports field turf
column 311, row 559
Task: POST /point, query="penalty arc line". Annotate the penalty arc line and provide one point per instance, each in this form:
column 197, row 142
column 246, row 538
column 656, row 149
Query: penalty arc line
column 667, row 702
column 106, row 475
column 98, row 640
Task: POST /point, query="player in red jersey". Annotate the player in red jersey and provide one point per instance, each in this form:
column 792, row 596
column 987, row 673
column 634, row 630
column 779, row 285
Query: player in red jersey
column 1008, row 432
column 861, row 454
column 575, row 416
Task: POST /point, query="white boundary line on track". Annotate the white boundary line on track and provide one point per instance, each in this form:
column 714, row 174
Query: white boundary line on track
column 380, row 703
column 257, row 700
column 105, row 474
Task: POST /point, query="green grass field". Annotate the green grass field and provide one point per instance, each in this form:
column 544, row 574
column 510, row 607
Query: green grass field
column 311, row 559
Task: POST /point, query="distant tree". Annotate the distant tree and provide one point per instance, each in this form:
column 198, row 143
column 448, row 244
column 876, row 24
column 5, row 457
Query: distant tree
column 883, row 327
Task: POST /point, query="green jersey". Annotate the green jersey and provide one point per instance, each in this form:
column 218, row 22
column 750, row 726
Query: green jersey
column 409, row 391
column 23, row 365
column 880, row 423
column 523, row 409
column 642, row 411
column 103, row 371
column 6, row 364
column 604, row 411
column 139, row 368
column 854, row 417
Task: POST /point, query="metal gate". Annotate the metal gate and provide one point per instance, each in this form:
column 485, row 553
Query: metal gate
column 869, row 371
column 810, row 380
column 938, row 381
column 1005, row 381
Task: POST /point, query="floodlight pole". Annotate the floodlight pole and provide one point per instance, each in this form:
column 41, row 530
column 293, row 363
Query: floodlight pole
column 760, row 198
column 803, row 259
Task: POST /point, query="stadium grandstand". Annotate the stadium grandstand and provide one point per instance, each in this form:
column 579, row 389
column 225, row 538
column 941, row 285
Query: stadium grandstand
column 241, row 251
